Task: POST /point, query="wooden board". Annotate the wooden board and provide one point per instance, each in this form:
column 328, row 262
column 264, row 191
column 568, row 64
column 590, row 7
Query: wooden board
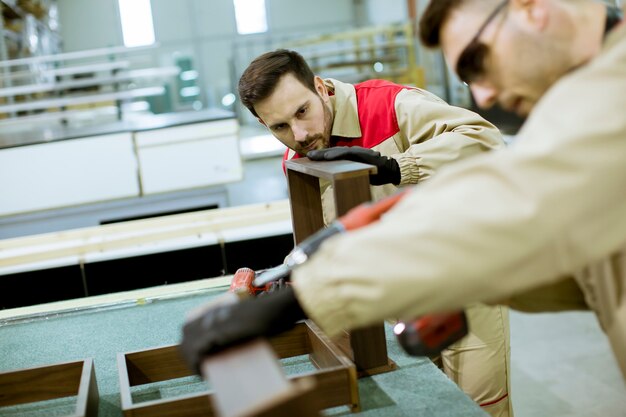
column 334, row 379
column 367, row 347
column 51, row 382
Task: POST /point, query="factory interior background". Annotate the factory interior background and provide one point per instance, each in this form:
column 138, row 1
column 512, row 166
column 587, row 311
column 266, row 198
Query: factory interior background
column 141, row 82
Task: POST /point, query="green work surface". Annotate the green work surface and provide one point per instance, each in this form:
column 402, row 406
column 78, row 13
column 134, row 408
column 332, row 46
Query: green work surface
column 416, row 388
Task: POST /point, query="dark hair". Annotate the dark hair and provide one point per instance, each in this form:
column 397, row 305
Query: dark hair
column 259, row 80
column 433, row 17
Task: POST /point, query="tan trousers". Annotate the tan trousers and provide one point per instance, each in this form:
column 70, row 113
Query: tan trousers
column 480, row 363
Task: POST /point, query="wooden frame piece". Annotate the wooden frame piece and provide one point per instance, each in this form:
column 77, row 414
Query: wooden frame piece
column 367, row 347
column 335, row 379
column 50, row 382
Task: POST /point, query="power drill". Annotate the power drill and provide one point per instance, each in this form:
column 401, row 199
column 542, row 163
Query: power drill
column 425, row 336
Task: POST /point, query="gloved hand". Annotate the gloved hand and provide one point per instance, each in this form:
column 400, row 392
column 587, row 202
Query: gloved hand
column 388, row 168
column 226, row 325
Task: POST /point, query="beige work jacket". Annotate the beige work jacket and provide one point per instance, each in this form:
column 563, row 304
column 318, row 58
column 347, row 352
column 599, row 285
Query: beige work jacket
column 431, row 133
column 551, row 206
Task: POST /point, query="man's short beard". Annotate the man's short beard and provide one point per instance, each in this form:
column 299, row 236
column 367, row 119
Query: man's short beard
column 322, row 137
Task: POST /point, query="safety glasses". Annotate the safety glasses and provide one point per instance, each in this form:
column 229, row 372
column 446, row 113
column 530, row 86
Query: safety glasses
column 471, row 61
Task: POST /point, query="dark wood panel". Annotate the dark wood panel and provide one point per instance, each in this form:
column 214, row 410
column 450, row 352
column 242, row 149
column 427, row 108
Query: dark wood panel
column 336, row 378
column 40, row 384
column 306, row 205
column 330, row 170
column 154, row 365
column 350, row 193
column 51, row 382
column 350, row 180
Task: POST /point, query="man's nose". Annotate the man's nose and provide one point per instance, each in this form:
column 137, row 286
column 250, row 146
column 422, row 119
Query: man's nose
column 485, row 96
column 299, row 132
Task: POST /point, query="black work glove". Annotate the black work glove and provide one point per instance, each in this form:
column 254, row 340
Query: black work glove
column 388, row 168
column 227, row 325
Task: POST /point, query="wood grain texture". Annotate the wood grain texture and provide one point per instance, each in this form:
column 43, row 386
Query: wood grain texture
column 306, row 205
column 330, row 170
column 334, row 381
column 351, row 187
column 51, row 382
column 155, row 365
column 349, row 193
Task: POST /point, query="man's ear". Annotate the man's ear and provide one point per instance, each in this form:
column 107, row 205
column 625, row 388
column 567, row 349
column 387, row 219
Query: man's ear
column 532, row 13
column 320, row 87
column 261, row 121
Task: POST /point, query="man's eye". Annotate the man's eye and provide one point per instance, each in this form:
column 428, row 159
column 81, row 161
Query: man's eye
column 279, row 127
column 302, row 111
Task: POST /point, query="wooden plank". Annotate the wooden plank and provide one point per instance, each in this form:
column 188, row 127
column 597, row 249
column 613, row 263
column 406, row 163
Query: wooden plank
column 369, row 347
column 306, row 204
column 338, row 387
column 350, row 193
column 154, row 365
column 126, row 398
column 337, row 378
column 335, row 387
column 40, row 384
column 350, row 181
column 164, row 363
column 294, row 342
column 87, row 398
column 51, row 382
column 323, row 353
column 195, row 405
column 330, row 170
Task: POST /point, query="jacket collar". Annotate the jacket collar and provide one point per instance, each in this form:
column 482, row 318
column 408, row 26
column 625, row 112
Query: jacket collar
column 344, row 108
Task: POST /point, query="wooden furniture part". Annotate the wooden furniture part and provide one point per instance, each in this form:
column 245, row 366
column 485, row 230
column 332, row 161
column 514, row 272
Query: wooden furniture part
column 51, row 382
column 335, row 378
column 367, row 347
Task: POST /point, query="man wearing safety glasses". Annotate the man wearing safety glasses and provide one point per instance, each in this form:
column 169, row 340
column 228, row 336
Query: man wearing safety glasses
column 562, row 185
column 520, row 48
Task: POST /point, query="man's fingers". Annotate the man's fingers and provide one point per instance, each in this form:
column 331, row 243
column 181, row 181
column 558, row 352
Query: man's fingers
column 330, row 154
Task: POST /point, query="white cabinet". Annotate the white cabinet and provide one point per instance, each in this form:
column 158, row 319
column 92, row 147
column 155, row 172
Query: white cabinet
column 102, row 168
column 67, row 173
column 189, row 156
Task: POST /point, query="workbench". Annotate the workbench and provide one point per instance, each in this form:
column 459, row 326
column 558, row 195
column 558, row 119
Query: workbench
column 101, row 327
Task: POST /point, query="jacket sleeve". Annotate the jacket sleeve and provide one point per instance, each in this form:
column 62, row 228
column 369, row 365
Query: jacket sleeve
column 493, row 226
column 435, row 133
